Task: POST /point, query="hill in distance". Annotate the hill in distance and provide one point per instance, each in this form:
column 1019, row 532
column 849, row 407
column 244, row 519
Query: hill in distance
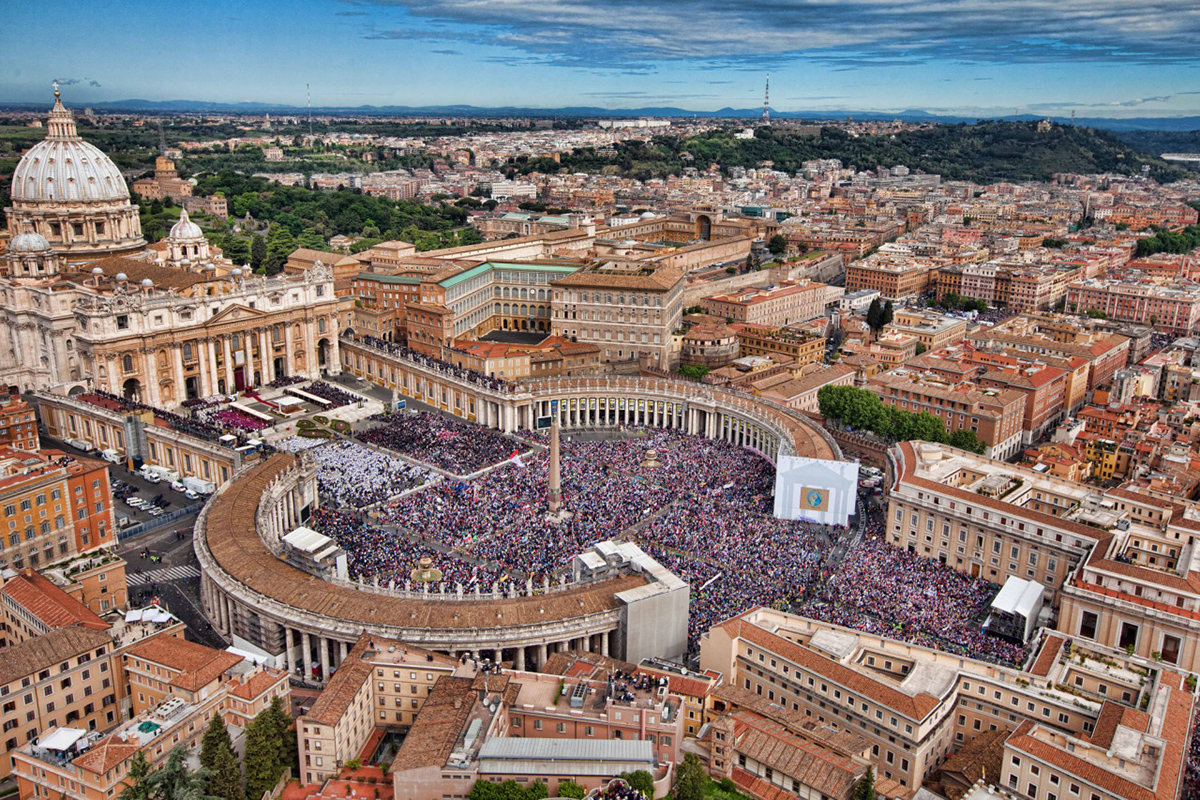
column 1190, row 123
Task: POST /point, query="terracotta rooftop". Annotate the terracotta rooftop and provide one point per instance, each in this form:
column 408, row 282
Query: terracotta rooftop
column 196, row 664
column 48, row 603
column 915, row 707
column 49, row 650
column 438, row 725
column 107, row 753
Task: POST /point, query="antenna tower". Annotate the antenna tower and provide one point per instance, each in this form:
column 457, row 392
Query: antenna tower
column 766, row 120
column 308, row 93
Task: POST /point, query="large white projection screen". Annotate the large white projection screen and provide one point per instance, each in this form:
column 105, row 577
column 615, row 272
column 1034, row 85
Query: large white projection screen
column 815, row 490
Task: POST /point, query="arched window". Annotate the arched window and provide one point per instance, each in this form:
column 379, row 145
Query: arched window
column 127, row 363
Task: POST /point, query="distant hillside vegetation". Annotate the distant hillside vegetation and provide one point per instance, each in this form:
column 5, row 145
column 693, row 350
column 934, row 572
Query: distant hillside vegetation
column 1159, row 142
column 984, row 152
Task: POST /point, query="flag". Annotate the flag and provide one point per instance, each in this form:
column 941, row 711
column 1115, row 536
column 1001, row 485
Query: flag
column 516, row 458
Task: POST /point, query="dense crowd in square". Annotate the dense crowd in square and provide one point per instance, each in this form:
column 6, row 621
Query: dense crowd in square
column 449, row 444
column 706, row 513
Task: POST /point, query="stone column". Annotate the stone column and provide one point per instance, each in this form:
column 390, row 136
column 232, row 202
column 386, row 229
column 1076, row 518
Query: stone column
column 289, row 643
column 323, row 643
column 604, row 643
column 266, row 356
column 520, row 664
column 227, row 352
column 248, row 374
column 306, row 645
column 211, row 347
column 541, row 656
column 289, row 356
column 344, row 649
column 180, row 381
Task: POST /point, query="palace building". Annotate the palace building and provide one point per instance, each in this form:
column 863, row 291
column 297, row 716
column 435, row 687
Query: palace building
column 86, row 304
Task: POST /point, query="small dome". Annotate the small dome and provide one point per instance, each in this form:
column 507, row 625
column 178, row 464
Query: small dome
column 147, row 283
column 28, row 242
column 236, row 272
column 97, row 271
column 185, row 228
column 121, row 276
column 187, row 262
column 210, row 268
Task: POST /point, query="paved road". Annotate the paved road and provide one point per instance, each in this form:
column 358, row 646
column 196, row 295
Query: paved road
column 175, row 580
column 165, row 575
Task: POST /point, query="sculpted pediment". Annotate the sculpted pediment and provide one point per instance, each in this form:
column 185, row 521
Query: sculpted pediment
column 236, row 313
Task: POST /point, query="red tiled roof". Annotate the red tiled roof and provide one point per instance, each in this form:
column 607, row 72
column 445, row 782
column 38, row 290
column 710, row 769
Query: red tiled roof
column 1045, row 660
column 196, row 664
column 50, row 604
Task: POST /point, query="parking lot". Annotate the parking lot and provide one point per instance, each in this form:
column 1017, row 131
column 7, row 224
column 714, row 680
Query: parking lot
column 128, row 485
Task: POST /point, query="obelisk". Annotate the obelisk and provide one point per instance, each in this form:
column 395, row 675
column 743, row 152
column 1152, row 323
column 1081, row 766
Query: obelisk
column 554, row 495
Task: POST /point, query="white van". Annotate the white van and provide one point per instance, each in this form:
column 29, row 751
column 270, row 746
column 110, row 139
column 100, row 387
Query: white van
column 111, row 456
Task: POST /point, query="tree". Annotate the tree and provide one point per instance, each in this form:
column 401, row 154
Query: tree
column 174, row 781
column 865, row 788
column 258, row 252
column 571, row 789
column 888, row 313
column 690, row 779
column 778, row 244
column 216, row 738
column 641, row 780
column 875, row 315
column 280, row 244
column 263, row 750
column 217, row 756
column 694, row 372
column 920, row 348
column 965, row 439
column 137, row 784
column 225, row 778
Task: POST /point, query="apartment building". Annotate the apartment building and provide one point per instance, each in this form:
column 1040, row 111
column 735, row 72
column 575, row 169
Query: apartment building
column 54, row 505
column 625, row 308
column 893, row 277
column 166, row 666
column 932, row 330
column 995, row 416
column 90, row 765
column 32, row 606
column 1173, row 308
column 915, row 705
column 773, row 306
column 763, row 340
column 381, row 684
column 534, row 727
column 18, row 426
column 1053, row 336
column 990, row 519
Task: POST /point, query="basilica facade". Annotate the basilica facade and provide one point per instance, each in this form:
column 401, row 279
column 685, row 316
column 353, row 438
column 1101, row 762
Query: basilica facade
column 88, row 305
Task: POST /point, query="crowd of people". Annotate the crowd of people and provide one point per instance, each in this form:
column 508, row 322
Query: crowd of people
column 196, row 425
column 445, row 367
column 449, row 444
column 353, row 476
column 231, row 418
column 881, row 589
column 391, row 556
column 1191, row 778
column 706, row 514
column 325, row 391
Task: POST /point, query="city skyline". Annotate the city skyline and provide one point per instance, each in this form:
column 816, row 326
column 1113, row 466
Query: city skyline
column 951, row 57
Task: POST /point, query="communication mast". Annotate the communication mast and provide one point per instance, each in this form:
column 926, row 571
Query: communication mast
column 766, row 120
column 308, row 92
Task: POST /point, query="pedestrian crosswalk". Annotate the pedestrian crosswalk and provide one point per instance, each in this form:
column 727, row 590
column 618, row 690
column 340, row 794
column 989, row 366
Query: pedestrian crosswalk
column 162, row 575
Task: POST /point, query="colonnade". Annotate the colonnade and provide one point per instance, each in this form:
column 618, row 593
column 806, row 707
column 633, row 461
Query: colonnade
column 311, row 655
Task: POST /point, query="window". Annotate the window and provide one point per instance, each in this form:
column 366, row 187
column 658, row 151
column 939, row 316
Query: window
column 1087, row 625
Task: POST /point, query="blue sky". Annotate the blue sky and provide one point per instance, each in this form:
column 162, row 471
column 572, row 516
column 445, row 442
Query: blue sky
column 988, row 57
